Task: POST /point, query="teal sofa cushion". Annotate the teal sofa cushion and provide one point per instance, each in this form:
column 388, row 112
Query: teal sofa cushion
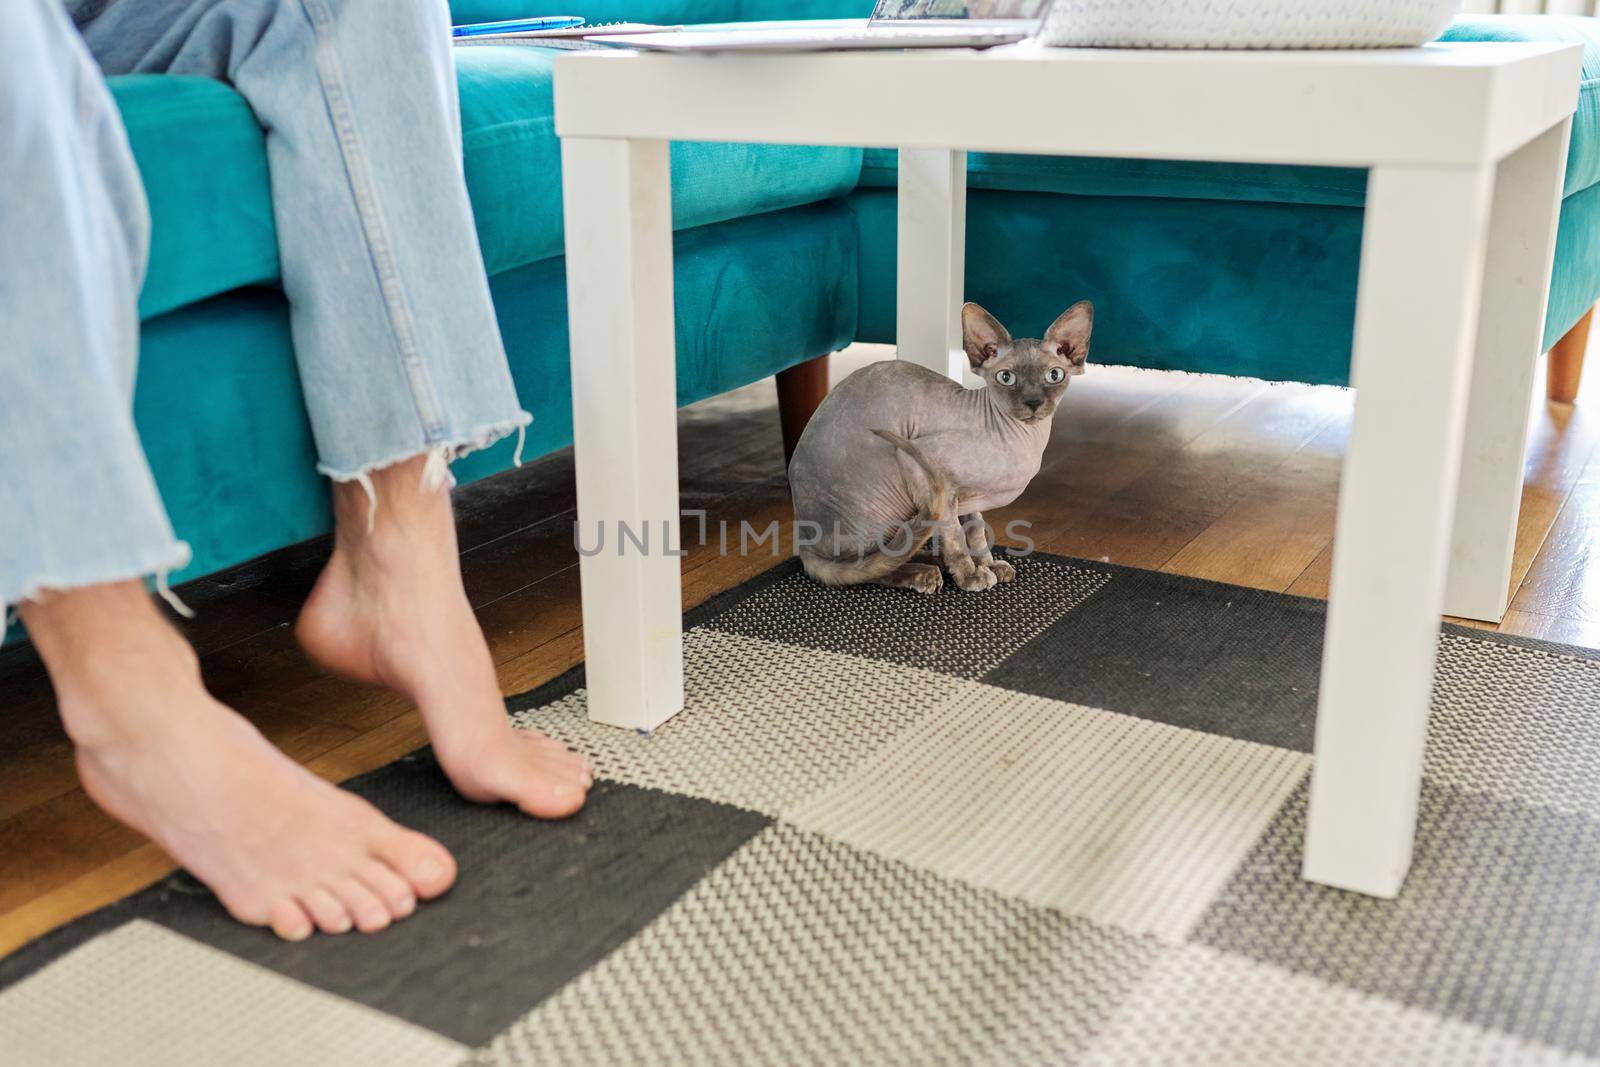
column 1215, row 286
column 204, row 167
column 219, row 410
column 202, row 159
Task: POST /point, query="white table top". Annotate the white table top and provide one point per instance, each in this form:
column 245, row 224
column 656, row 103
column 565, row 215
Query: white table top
column 1442, row 104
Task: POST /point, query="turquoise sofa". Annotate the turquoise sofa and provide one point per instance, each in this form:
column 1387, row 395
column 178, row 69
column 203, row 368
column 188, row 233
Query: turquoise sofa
column 783, row 254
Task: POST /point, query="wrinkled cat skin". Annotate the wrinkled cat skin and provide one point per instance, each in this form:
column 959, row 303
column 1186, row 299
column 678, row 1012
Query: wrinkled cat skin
column 875, row 502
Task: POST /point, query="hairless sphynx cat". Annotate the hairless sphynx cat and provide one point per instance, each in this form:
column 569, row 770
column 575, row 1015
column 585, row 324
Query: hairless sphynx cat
column 898, row 454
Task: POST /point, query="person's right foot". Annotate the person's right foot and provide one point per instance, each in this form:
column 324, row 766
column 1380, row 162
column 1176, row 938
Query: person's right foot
column 279, row 846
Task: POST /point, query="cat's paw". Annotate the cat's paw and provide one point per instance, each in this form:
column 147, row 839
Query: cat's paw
column 927, row 581
column 974, row 579
column 1003, row 571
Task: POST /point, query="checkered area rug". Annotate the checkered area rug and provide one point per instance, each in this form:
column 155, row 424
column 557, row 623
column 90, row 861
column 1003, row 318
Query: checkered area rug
column 1056, row 822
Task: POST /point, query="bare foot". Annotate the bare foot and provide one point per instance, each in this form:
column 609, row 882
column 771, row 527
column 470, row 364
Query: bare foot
column 390, row 609
column 279, row 846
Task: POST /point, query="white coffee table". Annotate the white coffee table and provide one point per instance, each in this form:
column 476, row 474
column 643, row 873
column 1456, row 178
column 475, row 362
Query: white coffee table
column 1466, row 145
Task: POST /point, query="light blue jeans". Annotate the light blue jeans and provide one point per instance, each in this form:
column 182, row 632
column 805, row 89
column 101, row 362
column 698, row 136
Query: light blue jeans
column 395, row 335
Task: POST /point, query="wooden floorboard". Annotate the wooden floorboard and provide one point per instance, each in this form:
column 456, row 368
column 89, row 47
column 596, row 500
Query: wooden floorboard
column 1276, row 528
column 1224, row 479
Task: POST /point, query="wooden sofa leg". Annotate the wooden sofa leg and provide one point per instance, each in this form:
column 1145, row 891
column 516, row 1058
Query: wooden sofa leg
column 1566, row 362
column 800, row 389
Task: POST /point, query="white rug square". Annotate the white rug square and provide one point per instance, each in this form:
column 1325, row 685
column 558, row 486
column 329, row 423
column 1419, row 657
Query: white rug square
column 143, row 995
column 765, row 725
column 1204, row 1008
column 801, row 950
column 1115, row 818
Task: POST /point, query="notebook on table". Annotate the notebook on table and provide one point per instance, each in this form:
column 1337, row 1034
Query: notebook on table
column 562, row 36
column 894, row 24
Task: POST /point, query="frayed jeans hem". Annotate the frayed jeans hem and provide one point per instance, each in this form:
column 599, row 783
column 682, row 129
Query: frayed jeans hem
column 171, row 557
column 436, row 472
column 448, row 451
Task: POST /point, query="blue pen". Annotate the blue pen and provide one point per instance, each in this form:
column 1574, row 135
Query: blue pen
column 552, row 22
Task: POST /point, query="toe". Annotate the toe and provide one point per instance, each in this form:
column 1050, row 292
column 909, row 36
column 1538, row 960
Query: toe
column 573, row 765
column 395, row 892
column 549, row 788
column 250, row 910
column 326, row 911
column 580, row 761
column 420, row 860
column 556, row 800
column 289, row 920
column 543, row 780
column 363, row 905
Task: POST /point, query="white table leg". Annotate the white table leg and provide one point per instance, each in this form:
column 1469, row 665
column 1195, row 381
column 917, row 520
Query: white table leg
column 619, row 311
column 1421, row 272
column 932, row 254
column 1516, row 286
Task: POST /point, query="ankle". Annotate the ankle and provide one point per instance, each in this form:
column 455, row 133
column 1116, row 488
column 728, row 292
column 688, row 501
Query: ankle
column 133, row 699
column 106, row 649
column 393, row 516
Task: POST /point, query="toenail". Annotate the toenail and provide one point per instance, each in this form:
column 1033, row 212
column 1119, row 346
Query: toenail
column 429, row 871
column 299, row 933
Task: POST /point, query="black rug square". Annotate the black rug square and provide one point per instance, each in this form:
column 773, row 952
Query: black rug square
column 1498, row 924
column 1223, row 659
column 951, row 632
column 535, row 904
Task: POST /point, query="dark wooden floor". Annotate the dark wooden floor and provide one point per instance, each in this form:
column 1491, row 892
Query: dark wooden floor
column 1218, row 478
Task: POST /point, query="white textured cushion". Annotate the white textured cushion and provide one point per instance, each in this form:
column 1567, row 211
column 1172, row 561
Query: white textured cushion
column 1247, row 23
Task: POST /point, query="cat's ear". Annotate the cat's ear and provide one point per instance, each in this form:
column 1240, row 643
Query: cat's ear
column 1068, row 336
column 981, row 334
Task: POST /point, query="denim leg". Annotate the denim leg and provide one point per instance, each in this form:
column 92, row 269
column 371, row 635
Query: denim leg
column 77, row 502
column 394, row 330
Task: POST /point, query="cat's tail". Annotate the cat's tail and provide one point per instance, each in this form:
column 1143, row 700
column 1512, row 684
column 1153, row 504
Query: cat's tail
column 934, row 509
column 941, row 499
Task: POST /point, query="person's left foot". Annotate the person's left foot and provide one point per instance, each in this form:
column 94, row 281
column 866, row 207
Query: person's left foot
column 389, row 608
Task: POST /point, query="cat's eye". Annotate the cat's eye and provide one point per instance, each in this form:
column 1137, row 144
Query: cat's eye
column 1005, row 377
column 1055, row 374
